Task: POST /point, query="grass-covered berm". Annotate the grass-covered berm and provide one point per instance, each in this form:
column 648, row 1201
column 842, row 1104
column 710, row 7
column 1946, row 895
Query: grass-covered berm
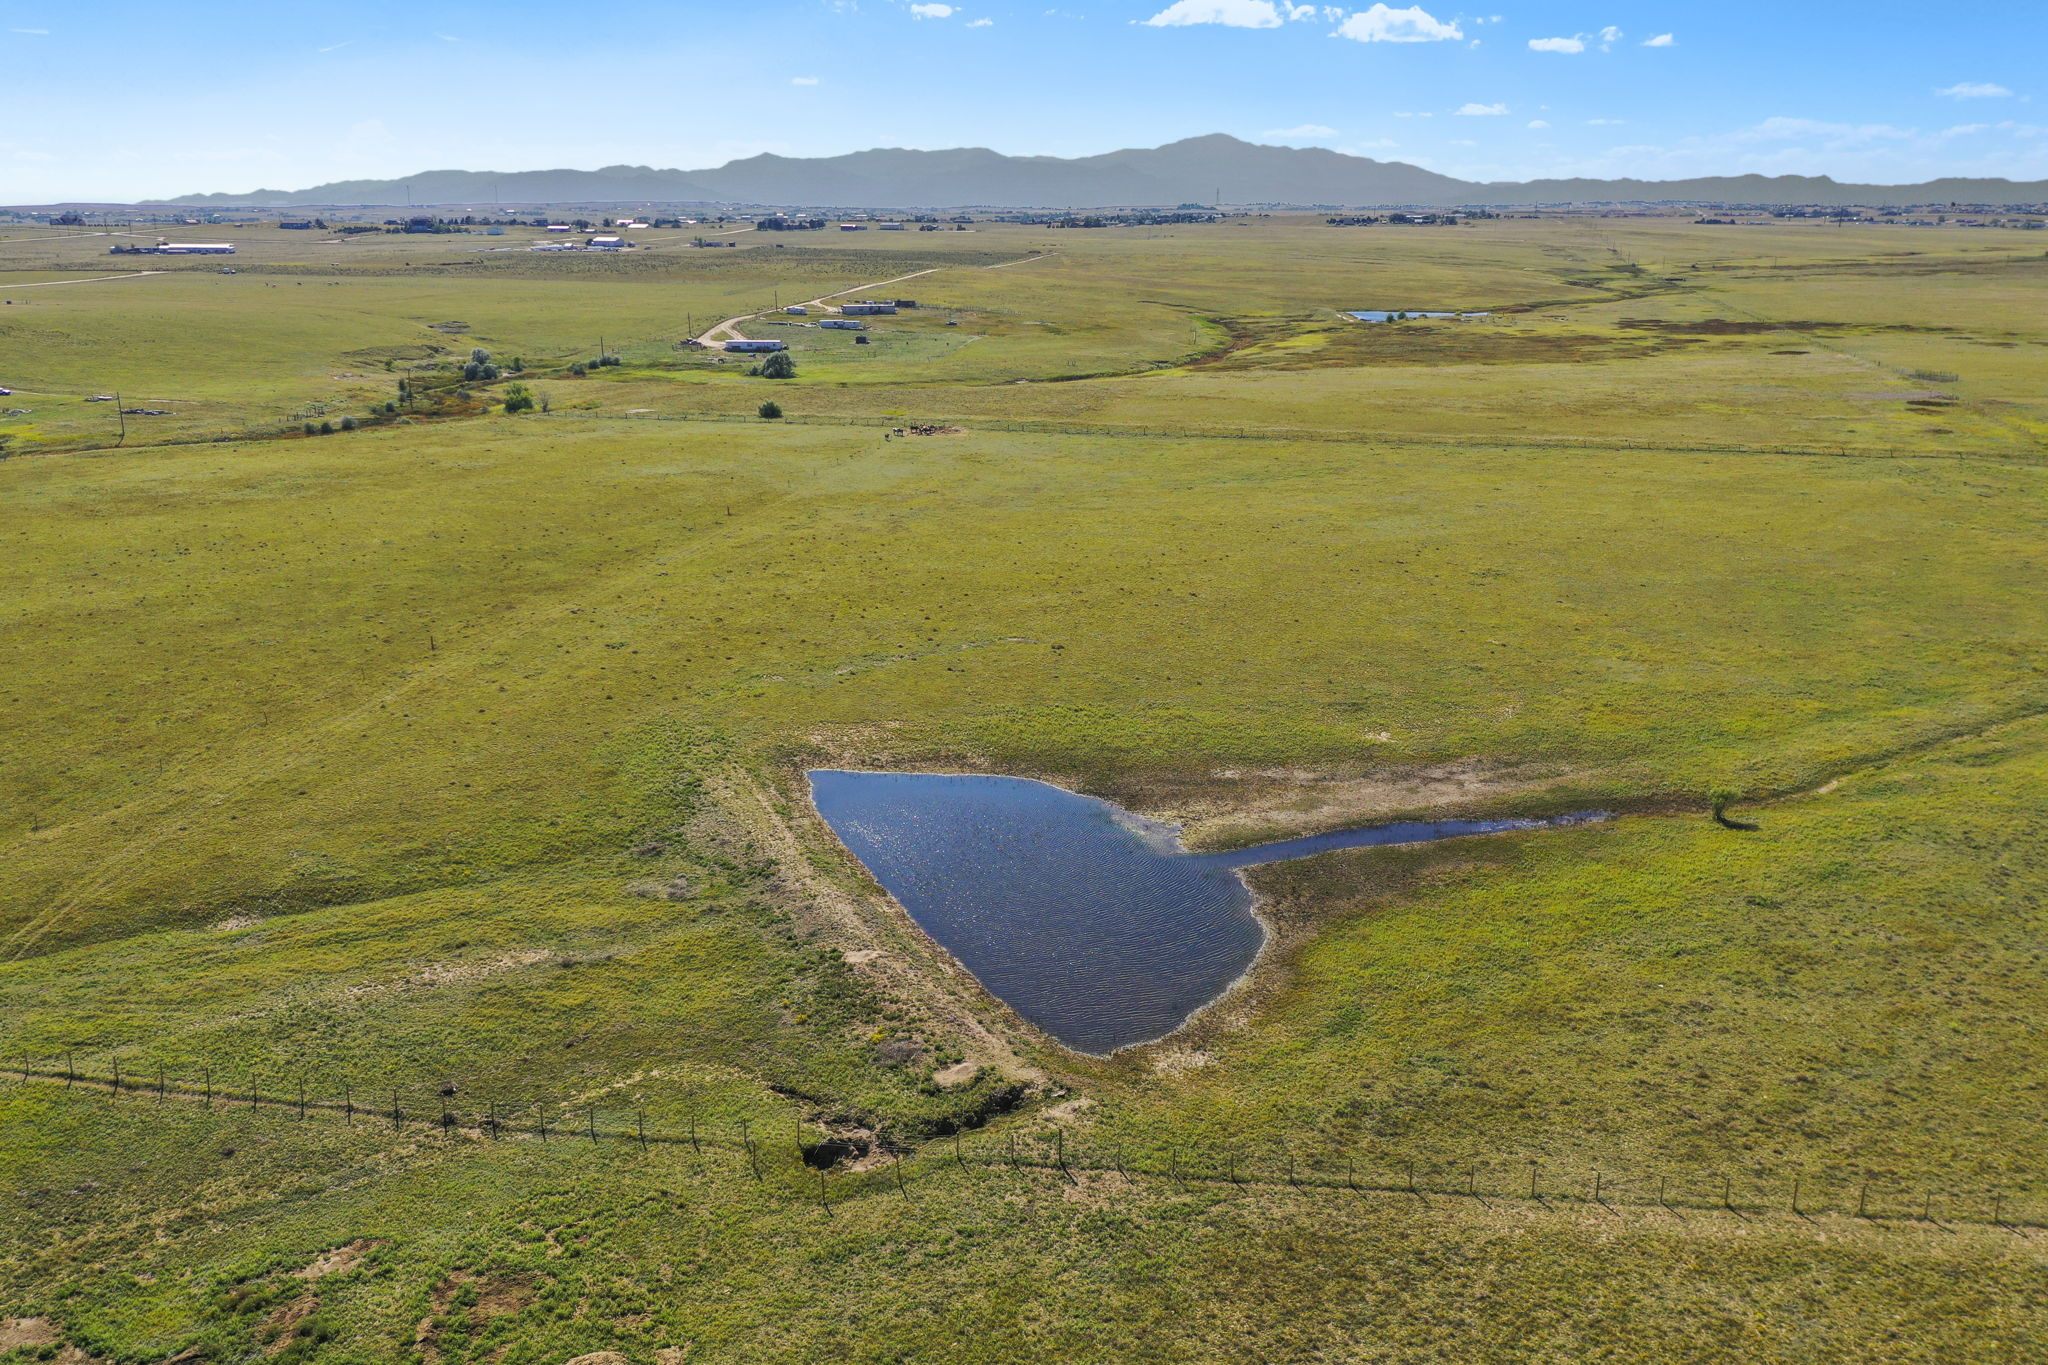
column 454, row 767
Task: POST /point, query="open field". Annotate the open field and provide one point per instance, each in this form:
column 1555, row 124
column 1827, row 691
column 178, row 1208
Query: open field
column 460, row 756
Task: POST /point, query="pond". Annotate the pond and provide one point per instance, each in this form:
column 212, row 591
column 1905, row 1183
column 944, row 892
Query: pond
column 1089, row 921
column 1375, row 315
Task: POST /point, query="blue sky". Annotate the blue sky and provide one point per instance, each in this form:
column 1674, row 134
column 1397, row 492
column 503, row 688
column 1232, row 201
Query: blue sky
column 121, row 99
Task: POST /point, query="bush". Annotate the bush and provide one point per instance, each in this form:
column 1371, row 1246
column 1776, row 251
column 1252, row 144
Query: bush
column 312, row 429
column 578, row 369
column 348, row 424
column 770, row 409
column 779, row 365
column 518, row 398
column 327, row 428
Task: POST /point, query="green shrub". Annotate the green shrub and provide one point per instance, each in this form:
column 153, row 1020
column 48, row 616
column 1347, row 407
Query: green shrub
column 771, row 409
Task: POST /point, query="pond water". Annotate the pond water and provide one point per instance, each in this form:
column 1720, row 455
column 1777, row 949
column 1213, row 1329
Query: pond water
column 1375, row 315
column 1089, row 921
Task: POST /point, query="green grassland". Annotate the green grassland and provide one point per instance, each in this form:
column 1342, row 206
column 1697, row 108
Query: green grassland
column 460, row 756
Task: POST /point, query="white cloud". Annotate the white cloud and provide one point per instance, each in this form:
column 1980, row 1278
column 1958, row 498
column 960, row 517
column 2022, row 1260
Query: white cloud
column 1304, row 130
column 1609, row 36
column 1480, row 110
column 1605, row 122
column 1557, row 44
column 32, row 32
column 1661, row 40
column 803, row 80
column 335, row 47
column 1383, row 25
column 1975, row 90
column 1834, row 135
column 1539, row 123
column 981, row 23
column 933, row 11
column 447, row 38
column 1229, row 13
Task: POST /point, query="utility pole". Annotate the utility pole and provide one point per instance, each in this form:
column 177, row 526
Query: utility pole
column 122, row 418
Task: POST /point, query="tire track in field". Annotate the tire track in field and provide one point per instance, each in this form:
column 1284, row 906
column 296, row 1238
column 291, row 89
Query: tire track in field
column 94, row 279
column 267, row 758
column 711, row 337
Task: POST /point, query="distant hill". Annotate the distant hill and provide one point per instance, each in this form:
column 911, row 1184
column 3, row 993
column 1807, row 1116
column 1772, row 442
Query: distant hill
column 1198, row 169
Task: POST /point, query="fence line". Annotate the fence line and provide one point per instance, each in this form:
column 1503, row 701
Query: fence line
column 1211, row 1169
column 1045, row 427
column 1034, row 426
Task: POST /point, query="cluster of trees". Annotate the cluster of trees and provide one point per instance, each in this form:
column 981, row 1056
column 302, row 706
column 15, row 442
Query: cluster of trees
column 1139, row 219
column 778, row 365
column 1411, row 219
column 479, row 370
column 583, row 367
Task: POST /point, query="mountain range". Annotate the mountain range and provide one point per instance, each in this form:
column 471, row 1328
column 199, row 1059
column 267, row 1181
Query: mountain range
column 1201, row 169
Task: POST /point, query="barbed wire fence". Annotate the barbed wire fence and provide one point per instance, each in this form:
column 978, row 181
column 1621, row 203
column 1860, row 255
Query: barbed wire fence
column 815, row 1165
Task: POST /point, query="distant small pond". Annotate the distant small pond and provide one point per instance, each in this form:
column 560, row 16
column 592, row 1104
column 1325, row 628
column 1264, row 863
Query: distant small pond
column 1374, row 315
column 1089, row 921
